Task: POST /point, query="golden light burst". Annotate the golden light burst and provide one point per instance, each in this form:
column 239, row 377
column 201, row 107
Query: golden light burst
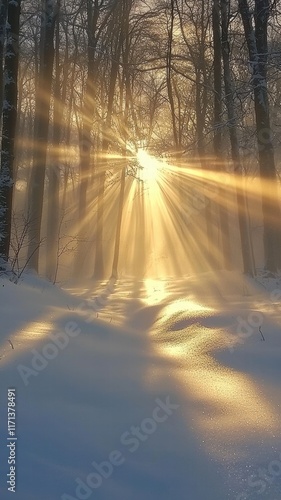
column 166, row 203
column 149, row 165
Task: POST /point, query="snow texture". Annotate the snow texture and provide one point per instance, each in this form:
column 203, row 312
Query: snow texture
column 170, row 384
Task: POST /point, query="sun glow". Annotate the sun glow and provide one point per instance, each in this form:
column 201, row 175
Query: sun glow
column 155, row 291
column 149, row 166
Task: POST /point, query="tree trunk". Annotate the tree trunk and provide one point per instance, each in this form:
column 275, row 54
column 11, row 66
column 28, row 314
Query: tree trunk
column 53, row 214
column 169, row 76
column 119, row 224
column 248, row 263
column 258, row 53
column 126, row 83
column 41, row 129
column 200, row 109
column 106, row 138
column 88, row 109
column 9, row 126
column 3, row 18
column 223, row 215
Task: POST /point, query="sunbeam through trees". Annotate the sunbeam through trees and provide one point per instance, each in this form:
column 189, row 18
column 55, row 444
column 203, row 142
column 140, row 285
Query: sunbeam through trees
column 140, row 138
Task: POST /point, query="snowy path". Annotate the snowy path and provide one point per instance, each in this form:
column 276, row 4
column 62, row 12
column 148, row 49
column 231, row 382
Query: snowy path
column 156, row 386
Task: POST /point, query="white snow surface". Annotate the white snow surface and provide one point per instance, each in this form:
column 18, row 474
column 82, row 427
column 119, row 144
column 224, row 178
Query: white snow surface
column 196, row 343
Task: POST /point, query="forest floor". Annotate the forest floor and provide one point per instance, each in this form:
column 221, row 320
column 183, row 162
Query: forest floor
column 168, row 391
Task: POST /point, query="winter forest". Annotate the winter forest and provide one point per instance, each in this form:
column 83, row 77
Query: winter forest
column 131, row 129
column 140, row 249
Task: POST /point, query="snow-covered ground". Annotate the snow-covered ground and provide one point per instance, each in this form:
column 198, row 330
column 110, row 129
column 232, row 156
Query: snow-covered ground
column 148, row 390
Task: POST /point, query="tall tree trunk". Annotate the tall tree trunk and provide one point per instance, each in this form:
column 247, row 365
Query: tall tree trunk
column 258, row 54
column 119, row 223
column 106, row 139
column 248, row 263
column 126, row 83
column 85, row 136
column 41, row 129
column 200, row 110
column 3, row 18
column 88, row 109
column 169, row 75
column 9, row 126
column 223, row 215
column 53, row 214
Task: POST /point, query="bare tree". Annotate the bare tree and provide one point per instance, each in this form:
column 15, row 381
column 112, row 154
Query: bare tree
column 256, row 38
column 9, row 126
column 116, row 46
column 3, row 18
column 248, row 263
column 125, row 87
column 41, row 128
column 223, row 215
column 54, row 167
